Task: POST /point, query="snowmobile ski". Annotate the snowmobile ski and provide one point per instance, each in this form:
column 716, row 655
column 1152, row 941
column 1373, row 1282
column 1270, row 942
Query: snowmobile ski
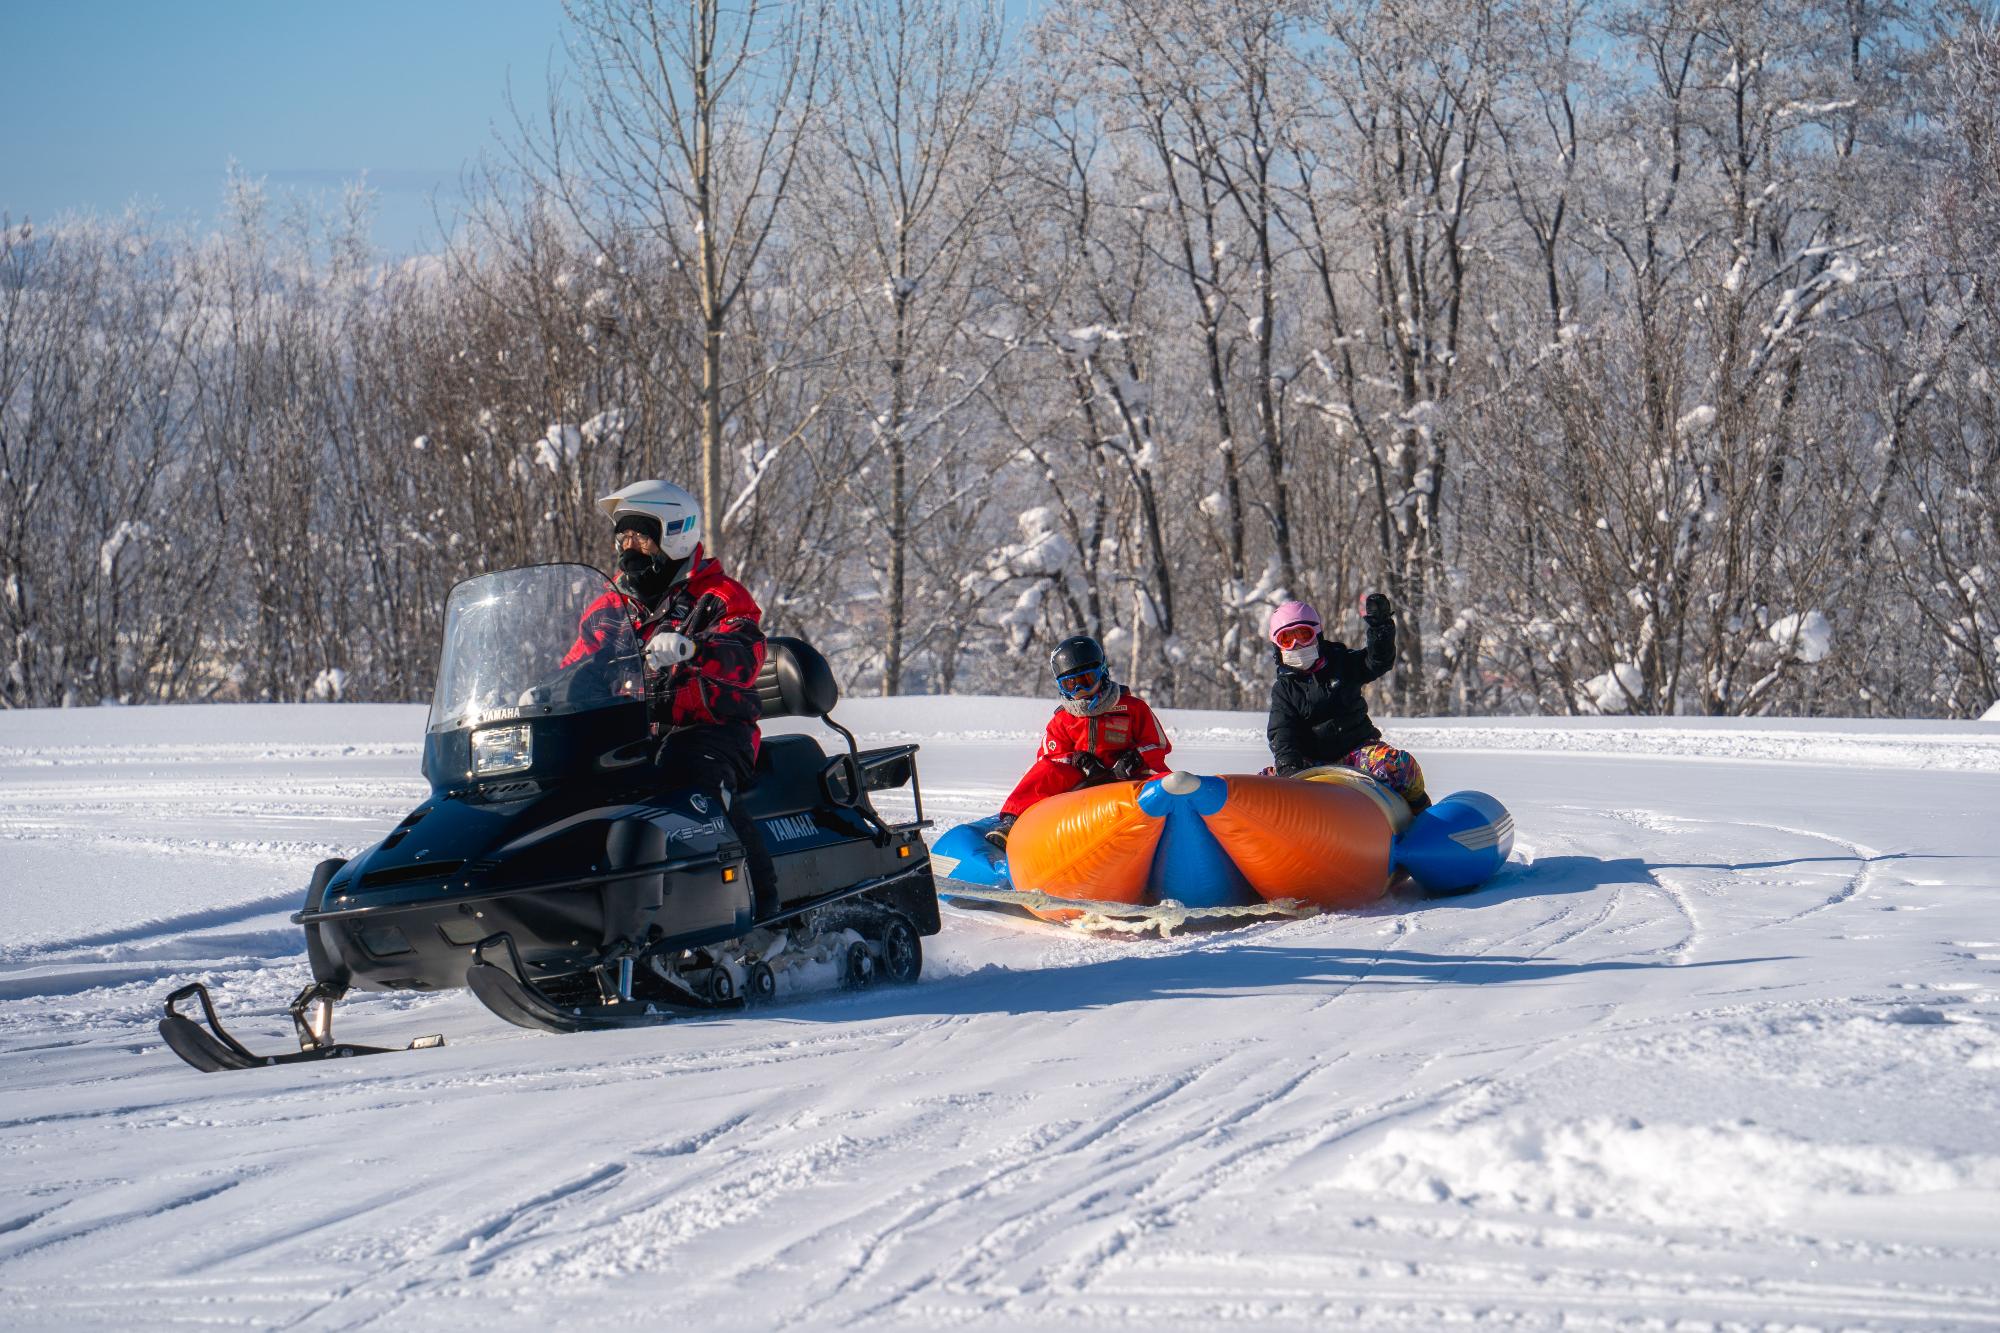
column 1089, row 914
column 212, row 1049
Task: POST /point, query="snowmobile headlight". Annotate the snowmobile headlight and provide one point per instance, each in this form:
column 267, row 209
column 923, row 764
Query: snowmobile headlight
column 502, row 750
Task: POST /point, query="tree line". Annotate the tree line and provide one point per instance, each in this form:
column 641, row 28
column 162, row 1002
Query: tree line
column 1641, row 350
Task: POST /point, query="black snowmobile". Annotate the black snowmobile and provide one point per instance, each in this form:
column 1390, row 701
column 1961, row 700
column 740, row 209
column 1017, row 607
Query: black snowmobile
column 565, row 878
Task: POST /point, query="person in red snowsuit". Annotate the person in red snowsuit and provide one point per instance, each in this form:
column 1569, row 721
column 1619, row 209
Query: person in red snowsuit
column 1102, row 732
column 713, row 674
column 704, row 648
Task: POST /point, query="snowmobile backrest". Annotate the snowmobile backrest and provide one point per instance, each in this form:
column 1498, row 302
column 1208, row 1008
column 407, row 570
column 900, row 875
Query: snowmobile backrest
column 795, row 681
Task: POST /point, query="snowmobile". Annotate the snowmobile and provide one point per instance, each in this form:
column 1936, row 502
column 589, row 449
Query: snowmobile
column 558, row 872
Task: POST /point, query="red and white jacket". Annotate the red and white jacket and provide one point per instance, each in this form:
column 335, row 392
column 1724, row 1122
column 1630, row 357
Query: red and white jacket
column 1127, row 725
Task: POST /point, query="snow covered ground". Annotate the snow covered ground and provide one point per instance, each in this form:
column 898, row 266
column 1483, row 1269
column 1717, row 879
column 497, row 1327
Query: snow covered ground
column 1721, row 1050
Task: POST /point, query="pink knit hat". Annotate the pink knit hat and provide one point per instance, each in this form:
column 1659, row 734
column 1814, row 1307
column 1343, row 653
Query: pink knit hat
column 1289, row 614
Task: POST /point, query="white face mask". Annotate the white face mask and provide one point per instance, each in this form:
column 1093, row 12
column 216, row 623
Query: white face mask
column 1300, row 658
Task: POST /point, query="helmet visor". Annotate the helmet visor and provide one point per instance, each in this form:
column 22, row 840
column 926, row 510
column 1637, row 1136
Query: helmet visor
column 633, row 537
column 1293, row 637
column 645, row 525
column 1081, row 684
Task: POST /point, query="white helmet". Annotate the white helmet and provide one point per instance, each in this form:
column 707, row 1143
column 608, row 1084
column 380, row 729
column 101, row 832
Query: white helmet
column 677, row 512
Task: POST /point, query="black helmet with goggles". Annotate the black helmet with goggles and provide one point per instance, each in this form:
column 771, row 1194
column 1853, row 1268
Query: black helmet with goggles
column 1079, row 667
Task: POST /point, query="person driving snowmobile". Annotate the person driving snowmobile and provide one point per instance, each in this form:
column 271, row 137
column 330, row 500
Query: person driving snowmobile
column 1317, row 713
column 704, row 648
column 1101, row 732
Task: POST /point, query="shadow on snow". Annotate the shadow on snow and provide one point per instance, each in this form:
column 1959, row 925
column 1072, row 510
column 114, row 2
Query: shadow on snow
column 1551, row 875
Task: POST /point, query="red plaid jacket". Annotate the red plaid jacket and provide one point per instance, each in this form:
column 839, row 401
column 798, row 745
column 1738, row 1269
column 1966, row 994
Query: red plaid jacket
column 718, row 685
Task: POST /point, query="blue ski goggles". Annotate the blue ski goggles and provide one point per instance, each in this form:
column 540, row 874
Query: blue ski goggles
column 1081, row 684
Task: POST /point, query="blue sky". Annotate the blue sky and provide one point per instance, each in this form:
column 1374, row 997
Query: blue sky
column 110, row 102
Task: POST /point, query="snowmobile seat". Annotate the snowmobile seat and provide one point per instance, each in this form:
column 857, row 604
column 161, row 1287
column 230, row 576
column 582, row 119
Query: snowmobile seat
column 795, row 681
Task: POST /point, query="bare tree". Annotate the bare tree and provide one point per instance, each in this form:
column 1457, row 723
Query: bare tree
column 690, row 130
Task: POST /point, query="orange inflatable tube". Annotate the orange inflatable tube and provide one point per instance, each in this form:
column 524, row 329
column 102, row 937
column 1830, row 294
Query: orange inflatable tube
column 1322, row 843
column 1207, row 842
column 1095, row 844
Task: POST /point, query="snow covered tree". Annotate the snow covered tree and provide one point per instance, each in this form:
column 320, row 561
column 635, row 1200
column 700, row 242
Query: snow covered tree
column 908, row 182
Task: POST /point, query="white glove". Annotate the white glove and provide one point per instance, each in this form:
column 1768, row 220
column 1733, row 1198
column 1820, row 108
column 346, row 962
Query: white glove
column 667, row 650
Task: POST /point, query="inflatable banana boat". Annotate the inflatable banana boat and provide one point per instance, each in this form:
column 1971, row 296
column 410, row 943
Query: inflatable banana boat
column 1328, row 839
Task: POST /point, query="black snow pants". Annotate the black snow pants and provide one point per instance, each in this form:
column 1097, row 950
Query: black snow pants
column 719, row 760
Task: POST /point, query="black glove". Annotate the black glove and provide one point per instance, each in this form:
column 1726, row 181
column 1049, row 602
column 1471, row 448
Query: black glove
column 1092, row 768
column 1375, row 608
column 1130, row 766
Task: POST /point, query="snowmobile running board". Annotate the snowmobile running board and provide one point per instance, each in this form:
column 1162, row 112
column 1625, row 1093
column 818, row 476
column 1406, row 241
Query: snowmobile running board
column 510, row 995
column 1122, row 918
column 211, row 1049
column 524, row 1006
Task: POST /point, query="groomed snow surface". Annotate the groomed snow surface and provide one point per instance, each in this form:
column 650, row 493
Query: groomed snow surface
column 1719, row 1050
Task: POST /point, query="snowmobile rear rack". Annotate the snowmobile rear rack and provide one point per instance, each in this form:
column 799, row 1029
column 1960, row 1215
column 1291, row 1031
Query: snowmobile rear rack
column 797, row 682
column 211, row 1048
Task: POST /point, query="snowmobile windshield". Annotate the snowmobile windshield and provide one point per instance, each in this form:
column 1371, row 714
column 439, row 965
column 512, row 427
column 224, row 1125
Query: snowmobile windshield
column 535, row 642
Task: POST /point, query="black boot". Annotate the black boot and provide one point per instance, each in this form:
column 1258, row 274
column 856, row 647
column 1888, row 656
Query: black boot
column 997, row 835
column 764, row 897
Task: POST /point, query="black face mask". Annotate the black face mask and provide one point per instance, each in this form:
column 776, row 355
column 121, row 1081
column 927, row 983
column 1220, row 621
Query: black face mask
column 647, row 575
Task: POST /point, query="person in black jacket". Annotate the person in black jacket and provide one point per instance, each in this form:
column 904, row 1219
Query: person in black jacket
column 1318, row 716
